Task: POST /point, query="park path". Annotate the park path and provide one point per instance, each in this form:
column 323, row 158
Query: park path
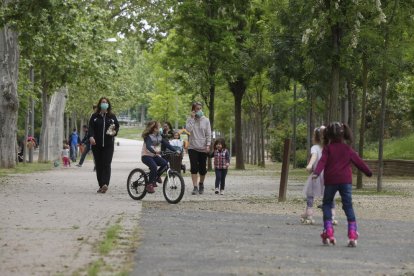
column 51, row 221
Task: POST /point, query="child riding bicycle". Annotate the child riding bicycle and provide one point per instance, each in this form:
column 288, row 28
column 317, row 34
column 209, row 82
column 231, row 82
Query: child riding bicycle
column 150, row 154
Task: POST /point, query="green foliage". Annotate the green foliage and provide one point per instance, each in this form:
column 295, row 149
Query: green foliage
column 394, row 148
column 110, row 240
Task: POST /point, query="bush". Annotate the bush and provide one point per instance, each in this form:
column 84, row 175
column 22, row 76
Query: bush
column 301, row 158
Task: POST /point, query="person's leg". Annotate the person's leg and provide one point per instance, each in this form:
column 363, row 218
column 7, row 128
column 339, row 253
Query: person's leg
column 161, row 163
column 346, row 195
column 327, row 202
column 192, row 154
column 83, row 156
column 72, row 152
column 202, row 167
column 149, row 161
column 108, row 153
column 218, row 179
column 223, row 178
column 97, row 155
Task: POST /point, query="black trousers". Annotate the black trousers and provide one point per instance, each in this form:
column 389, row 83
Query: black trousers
column 103, row 160
column 198, row 162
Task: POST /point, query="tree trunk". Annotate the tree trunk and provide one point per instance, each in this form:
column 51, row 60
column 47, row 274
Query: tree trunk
column 55, row 124
column 384, row 84
column 142, row 117
column 43, row 143
column 360, row 184
column 32, row 114
column 311, row 125
column 9, row 101
column 212, row 93
column 294, row 128
column 335, row 71
column 238, row 88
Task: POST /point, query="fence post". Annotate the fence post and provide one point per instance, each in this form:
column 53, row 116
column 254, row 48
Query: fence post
column 285, row 170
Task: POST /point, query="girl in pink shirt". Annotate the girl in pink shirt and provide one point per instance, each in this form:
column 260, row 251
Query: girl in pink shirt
column 336, row 160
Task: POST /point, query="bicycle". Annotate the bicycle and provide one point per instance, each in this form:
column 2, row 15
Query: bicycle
column 173, row 187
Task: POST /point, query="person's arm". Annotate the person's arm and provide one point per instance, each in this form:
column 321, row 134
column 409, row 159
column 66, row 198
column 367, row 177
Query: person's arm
column 311, row 162
column 359, row 163
column 227, row 158
column 167, row 144
column 148, row 145
column 189, row 126
column 91, row 130
column 116, row 125
column 321, row 163
column 208, row 135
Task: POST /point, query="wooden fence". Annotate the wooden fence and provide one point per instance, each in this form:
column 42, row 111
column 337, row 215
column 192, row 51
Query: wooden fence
column 393, row 167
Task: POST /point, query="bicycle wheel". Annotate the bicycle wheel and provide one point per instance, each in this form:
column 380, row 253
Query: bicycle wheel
column 174, row 187
column 136, row 184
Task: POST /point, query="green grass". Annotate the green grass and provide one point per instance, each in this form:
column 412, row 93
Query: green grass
column 110, row 239
column 26, row 168
column 401, row 148
column 129, row 132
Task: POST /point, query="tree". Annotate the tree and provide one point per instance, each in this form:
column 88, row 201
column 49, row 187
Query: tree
column 9, row 62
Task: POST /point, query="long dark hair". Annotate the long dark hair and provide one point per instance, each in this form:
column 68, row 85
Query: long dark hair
column 337, row 132
column 151, row 125
column 98, row 106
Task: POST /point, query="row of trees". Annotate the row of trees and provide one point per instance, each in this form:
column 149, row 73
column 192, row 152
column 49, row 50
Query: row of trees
column 267, row 69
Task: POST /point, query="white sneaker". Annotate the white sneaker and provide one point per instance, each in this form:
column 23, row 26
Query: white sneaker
column 216, row 191
column 222, row 192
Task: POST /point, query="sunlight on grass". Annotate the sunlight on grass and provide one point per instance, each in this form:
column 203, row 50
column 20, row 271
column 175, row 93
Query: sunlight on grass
column 130, row 132
column 401, row 148
column 26, row 168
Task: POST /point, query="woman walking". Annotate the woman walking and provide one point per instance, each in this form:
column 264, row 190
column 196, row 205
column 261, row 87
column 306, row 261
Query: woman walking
column 103, row 127
column 199, row 145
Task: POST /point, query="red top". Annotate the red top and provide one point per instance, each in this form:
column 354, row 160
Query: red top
column 336, row 163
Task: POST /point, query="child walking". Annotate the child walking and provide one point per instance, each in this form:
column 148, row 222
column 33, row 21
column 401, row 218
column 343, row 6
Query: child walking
column 150, row 154
column 65, row 155
column 336, row 160
column 313, row 187
column 221, row 164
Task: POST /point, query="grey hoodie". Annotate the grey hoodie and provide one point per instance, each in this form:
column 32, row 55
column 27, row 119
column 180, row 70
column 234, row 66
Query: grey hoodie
column 200, row 133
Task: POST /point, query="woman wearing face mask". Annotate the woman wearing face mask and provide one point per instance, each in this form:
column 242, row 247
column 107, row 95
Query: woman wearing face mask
column 103, row 127
column 199, row 145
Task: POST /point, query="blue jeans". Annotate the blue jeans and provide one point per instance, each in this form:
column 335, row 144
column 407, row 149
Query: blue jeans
column 221, row 178
column 345, row 190
column 153, row 163
column 73, row 152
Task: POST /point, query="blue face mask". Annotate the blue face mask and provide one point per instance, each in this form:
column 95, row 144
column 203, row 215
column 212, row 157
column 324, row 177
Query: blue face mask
column 199, row 113
column 104, row 106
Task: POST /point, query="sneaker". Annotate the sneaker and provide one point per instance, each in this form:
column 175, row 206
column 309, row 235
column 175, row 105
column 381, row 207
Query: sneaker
column 201, row 189
column 216, row 191
column 154, row 185
column 99, row 190
column 195, row 191
column 222, row 192
column 159, row 180
column 150, row 188
column 78, row 165
column 104, row 188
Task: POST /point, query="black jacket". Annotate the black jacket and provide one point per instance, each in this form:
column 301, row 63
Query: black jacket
column 98, row 125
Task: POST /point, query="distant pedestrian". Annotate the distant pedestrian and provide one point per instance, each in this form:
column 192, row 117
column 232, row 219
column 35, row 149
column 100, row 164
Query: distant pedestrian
column 103, row 127
column 221, row 164
column 167, row 133
column 65, row 155
column 336, row 160
column 314, row 187
column 199, row 145
column 74, row 142
column 86, row 145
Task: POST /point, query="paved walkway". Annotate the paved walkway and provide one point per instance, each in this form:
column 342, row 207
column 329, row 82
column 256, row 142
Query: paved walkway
column 51, row 223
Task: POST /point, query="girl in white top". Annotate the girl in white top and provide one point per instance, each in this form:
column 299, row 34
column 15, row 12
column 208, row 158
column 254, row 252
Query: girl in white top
column 314, row 187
